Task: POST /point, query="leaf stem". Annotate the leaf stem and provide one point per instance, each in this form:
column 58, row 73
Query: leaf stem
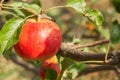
column 49, row 9
column 97, row 62
column 107, row 52
column 7, row 12
column 7, row 7
column 27, row 9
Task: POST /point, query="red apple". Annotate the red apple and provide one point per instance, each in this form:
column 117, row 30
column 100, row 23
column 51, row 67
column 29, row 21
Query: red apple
column 38, row 40
column 52, row 64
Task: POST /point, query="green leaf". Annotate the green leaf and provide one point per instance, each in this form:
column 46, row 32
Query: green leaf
column 7, row 53
column 65, row 63
column 104, row 33
column 9, row 33
column 19, row 12
column 74, row 70
column 76, row 40
column 36, row 8
column 116, row 4
column 115, row 32
column 78, row 5
column 22, row 5
column 50, row 74
column 38, row 2
column 95, row 16
column 15, row 4
column 32, row 7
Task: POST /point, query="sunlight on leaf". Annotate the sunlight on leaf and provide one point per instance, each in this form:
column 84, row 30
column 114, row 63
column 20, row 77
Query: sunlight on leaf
column 15, row 4
column 95, row 16
column 79, row 6
column 22, row 5
column 73, row 70
column 8, row 34
column 19, row 12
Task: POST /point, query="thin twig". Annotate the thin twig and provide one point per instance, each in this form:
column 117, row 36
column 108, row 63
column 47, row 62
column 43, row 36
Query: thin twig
column 92, row 69
column 107, row 52
column 24, row 64
column 1, row 2
column 117, row 71
column 91, row 44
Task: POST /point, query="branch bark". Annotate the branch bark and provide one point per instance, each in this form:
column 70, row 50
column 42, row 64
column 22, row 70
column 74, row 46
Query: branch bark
column 91, row 69
column 66, row 50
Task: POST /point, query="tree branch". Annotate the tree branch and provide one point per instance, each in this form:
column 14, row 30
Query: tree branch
column 91, row 44
column 66, row 50
column 25, row 65
column 117, row 71
column 91, row 69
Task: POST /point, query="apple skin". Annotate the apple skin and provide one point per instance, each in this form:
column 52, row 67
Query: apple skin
column 51, row 63
column 38, row 40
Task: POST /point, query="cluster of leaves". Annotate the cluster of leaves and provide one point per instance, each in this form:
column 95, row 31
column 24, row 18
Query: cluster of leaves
column 33, row 9
column 80, row 7
column 20, row 11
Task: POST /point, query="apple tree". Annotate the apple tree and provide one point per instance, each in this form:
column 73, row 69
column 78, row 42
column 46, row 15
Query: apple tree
column 60, row 42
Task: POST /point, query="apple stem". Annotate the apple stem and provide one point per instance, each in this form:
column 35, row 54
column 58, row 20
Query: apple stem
column 43, row 16
column 42, row 12
column 38, row 18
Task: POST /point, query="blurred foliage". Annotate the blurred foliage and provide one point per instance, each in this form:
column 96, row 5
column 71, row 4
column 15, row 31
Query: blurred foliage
column 116, row 4
column 50, row 73
column 115, row 32
column 80, row 6
column 75, row 24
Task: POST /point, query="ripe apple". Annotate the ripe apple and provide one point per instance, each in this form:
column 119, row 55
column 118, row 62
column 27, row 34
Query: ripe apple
column 38, row 40
column 51, row 63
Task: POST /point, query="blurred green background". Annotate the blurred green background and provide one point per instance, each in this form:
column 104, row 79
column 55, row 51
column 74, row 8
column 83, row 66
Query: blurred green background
column 74, row 28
